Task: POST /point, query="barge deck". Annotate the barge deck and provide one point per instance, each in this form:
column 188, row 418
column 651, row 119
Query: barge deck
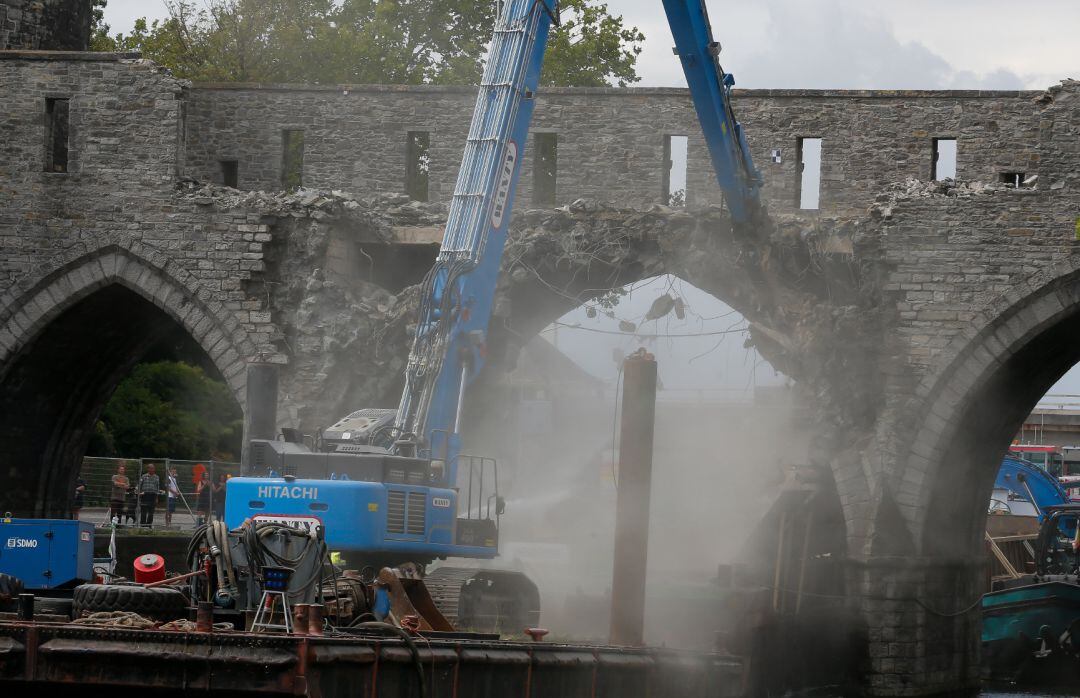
column 65, row 659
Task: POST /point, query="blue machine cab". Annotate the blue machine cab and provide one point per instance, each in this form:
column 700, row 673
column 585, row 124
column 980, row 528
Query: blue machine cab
column 367, row 502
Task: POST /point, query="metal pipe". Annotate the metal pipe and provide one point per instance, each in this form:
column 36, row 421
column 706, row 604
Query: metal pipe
column 460, row 401
column 260, row 410
column 204, row 617
column 315, row 620
column 632, row 499
column 779, row 562
column 174, row 580
column 26, row 607
column 802, row 563
column 301, row 618
column 1027, row 488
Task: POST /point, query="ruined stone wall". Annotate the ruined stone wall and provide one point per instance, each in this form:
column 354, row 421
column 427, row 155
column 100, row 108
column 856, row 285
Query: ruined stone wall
column 610, row 142
column 45, row 25
column 119, row 186
column 873, row 138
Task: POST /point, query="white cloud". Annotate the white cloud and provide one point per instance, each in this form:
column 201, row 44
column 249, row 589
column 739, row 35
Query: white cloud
column 961, row 44
column 854, row 44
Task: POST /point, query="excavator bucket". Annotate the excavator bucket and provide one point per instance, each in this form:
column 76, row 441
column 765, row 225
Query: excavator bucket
column 410, row 598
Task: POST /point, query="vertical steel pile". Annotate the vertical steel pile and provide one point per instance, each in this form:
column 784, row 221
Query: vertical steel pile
column 632, row 504
column 260, row 410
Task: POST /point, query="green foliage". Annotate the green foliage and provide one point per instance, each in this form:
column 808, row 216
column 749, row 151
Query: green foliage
column 170, row 409
column 366, row 41
column 591, row 48
column 101, row 441
column 99, row 31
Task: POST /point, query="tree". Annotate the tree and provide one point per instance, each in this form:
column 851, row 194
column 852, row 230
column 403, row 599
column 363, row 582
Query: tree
column 367, row 41
column 170, row 409
column 99, row 30
column 591, row 48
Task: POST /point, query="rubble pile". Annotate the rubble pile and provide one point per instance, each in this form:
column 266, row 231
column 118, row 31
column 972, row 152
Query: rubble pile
column 911, row 188
column 800, row 286
column 812, row 305
column 319, row 204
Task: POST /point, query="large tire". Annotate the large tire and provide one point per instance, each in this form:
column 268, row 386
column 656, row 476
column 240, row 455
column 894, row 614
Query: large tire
column 10, row 587
column 157, row 603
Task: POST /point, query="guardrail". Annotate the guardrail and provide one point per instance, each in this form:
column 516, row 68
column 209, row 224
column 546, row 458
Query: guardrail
column 198, row 495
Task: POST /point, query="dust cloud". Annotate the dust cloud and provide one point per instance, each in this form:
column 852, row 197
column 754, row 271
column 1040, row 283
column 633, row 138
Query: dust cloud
column 716, row 468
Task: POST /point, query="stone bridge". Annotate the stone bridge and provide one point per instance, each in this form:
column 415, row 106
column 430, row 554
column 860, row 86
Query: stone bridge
column 921, row 320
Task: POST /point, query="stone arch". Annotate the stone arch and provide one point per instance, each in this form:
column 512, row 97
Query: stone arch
column 69, row 335
column 36, row 300
column 974, row 399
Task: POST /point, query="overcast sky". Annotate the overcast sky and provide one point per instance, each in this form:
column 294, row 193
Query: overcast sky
column 964, row 44
column 990, row 44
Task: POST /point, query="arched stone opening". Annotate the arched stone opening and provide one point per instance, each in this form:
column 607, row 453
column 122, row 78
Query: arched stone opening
column 716, row 459
column 926, row 567
column 973, row 406
column 69, row 340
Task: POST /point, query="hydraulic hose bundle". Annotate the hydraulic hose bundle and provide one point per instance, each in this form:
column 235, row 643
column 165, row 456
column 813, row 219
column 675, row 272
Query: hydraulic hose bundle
column 254, row 535
column 238, row 559
column 440, row 286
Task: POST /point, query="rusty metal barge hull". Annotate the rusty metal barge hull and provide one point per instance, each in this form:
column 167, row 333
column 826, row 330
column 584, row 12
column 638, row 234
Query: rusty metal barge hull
column 47, row 660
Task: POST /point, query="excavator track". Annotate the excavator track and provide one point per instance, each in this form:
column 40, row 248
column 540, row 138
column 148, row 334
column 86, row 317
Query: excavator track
column 444, row 585
column 485, row 600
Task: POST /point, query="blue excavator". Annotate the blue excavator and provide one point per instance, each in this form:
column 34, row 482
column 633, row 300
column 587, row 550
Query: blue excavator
column 389, row 486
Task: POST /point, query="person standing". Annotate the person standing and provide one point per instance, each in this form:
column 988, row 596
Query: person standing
column 172, row 489
column 120, row 484
column 218, row 497
column 202, row 499
column 149, row 487
column 80, row 493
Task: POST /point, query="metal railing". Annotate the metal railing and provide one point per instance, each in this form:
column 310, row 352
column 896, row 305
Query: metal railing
column 192, row 504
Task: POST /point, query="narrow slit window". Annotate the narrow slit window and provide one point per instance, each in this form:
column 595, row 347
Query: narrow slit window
column 809, row 181
column 545, row 168
column 292, row 158
column 57, row 115
column 944, row 160
column 1019, row 180
column 417, row 164
column 673, row 188
column 230, row 173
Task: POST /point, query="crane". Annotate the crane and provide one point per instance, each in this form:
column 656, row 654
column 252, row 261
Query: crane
column 390, row 485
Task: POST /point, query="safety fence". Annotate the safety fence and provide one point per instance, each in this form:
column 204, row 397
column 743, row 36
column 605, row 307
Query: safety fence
column 114, row 488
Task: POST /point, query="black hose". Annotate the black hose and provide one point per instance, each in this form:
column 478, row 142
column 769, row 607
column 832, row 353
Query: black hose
column 378, row 625
column 195, row 564
column 261, row 556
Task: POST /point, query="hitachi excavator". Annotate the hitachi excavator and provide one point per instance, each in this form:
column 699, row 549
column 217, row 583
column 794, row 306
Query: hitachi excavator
column 389, row 486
